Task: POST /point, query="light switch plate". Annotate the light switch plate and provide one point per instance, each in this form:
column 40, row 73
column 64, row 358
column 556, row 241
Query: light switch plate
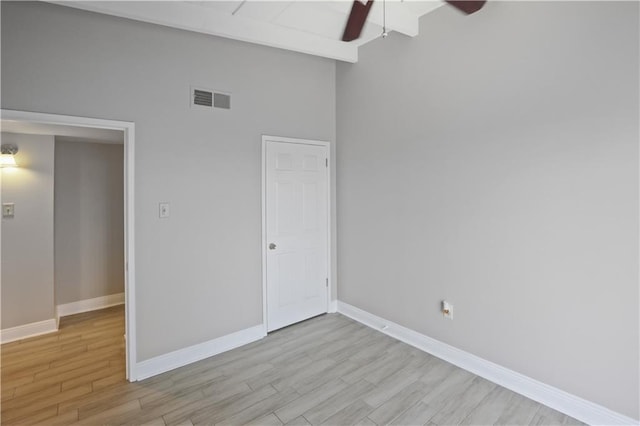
column 163, row 210
column 8, row 209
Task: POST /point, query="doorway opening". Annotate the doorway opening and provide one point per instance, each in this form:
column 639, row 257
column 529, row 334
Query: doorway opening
column 73, row 129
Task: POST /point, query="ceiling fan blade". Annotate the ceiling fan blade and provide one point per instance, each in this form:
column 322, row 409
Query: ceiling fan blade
column 357, row 18
column 467, row 6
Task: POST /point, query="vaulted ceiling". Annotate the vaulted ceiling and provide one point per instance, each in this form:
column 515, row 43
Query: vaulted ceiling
column 312, row 27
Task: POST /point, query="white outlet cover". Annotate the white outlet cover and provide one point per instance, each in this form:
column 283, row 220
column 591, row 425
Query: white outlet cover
column 447, row 310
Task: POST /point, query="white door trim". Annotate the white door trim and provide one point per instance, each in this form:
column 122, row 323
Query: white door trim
column 327, row 145
column 129, row 235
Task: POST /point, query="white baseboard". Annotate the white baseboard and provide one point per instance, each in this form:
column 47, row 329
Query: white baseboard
column 333, row 307
column 28, row 330
column 182, row 357
column 89, row 305
column 571, row 405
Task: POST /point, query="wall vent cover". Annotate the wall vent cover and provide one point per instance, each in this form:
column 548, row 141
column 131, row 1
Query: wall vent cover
column 222, row 100
column 202, row 98
column 208, row 99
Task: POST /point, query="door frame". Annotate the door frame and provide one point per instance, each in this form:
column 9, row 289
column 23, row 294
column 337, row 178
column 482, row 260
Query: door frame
column 128, row 128
column 265, row 140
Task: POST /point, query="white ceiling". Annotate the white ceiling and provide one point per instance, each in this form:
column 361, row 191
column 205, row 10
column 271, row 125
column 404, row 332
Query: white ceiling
column 313, row 27
column 70, row 133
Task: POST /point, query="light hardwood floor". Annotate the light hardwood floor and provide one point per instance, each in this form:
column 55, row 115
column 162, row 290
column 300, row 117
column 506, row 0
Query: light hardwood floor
column 327, row 370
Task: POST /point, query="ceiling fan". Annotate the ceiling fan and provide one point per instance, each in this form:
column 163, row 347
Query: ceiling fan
column 360, row 9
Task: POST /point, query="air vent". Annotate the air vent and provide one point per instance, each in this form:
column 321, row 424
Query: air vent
column 202, row 98
column 207, row 98
column 222, row 100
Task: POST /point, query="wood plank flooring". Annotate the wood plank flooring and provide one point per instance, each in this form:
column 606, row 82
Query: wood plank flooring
column 328, row 370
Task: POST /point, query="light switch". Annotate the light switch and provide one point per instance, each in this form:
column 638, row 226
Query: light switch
column 164, row 210
column 7, row 209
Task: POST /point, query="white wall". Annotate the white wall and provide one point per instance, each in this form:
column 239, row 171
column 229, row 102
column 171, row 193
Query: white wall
column 198, row 273
column 493, row 161
column 27, row 238
column 89, row 220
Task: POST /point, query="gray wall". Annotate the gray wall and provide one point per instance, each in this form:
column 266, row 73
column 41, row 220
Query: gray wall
column 198, row 273
column 27, row 238
column 493, row 161
column 89, row 220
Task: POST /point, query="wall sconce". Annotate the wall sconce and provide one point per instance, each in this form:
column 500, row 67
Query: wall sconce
column 7, row 157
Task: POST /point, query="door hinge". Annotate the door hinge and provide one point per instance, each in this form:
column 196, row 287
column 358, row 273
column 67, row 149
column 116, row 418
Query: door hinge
column 327, row 281
column 326, row 162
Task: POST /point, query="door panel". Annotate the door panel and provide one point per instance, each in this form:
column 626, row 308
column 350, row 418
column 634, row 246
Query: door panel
column 296, row 185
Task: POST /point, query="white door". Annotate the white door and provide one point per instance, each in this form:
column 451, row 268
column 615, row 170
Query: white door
column 296, row 230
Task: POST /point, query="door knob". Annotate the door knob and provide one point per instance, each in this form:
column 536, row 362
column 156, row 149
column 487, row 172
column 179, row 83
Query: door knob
column 272, row 246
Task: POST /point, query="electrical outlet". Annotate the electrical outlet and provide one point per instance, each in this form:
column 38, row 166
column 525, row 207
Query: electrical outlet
column 447, row 310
